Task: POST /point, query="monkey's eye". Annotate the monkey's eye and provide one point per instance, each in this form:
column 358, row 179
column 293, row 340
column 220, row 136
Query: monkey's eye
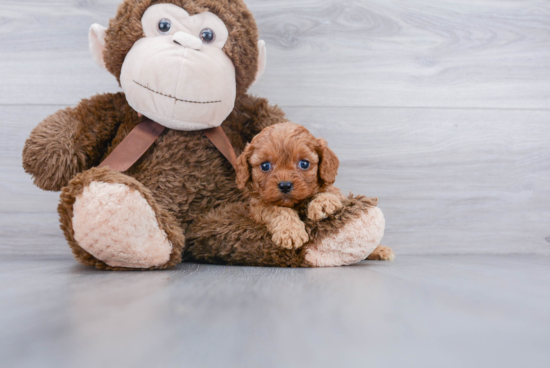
column 266, row 166
column 304, row 165
column 208, row 35
column 165, row 25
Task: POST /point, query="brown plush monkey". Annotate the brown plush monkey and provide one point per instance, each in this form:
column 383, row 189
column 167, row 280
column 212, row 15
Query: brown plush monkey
column 187, row 65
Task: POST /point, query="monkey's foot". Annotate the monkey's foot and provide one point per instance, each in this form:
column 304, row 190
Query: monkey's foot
column 351, row 244
column 112, row 221
column 116, row 225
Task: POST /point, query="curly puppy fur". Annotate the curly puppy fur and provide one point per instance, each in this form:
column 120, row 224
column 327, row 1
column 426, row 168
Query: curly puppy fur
column 187, row 182
column 283, row 147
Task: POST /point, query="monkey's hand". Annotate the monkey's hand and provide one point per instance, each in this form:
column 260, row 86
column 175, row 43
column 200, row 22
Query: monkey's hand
column 72, row 140
column 50, row 155
column 323, row 205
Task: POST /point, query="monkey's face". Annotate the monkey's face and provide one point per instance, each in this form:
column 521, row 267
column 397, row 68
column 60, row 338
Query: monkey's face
column 183, row 71
column 178, row 74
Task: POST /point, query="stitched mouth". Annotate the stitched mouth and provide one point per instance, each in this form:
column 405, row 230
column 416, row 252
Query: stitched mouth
column 175, row 98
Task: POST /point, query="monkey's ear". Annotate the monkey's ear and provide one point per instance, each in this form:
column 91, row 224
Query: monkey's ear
column 262, row 60
column 96, row 38
column 243, row 168
column 328, row 167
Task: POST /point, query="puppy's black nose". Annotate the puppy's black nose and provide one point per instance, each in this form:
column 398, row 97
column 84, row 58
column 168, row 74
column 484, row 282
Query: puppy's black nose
column 285, row 186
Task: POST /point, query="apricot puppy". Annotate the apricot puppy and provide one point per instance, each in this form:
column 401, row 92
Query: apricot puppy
column 282, row 167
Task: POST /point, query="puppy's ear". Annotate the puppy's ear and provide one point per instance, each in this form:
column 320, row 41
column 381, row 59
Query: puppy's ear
column 243, row 168
column 328, row 165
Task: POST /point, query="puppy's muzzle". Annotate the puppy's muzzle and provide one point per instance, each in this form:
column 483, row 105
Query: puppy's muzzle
column 286, row 187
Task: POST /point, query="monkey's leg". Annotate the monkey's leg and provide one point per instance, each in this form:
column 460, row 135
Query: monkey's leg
column 112, row 221
column 227, row 235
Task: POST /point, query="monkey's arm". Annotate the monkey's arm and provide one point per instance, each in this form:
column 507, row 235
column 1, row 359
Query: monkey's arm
column 72, row 140
column 284, row 224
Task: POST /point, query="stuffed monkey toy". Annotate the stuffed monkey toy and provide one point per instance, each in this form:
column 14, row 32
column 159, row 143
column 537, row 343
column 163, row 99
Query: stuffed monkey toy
column 185, row 66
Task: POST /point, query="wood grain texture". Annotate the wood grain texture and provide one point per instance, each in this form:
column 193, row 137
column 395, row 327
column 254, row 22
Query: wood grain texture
column 467, row 53
column 449, row 181
column 419, row 53
column 429, row 312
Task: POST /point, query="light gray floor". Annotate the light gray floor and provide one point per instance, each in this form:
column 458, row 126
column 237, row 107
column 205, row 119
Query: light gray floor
column 439, row 108
column 418, row 311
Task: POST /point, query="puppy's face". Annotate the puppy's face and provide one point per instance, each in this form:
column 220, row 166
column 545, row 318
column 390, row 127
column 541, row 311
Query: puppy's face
column 285, row 164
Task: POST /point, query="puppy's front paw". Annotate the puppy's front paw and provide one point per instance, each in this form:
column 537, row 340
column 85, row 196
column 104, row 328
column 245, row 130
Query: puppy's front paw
column 323, row 206
column 292, row 236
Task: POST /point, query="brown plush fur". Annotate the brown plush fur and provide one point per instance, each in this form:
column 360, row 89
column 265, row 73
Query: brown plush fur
column 75, row 139
column 188, row 183
column 283, row 146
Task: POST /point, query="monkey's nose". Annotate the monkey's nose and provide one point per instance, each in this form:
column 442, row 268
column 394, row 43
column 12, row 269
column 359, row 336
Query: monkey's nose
column 285, row 186
column 187, row 40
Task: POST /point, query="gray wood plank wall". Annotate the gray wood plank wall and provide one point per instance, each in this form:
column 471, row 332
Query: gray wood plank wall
column 439, row 108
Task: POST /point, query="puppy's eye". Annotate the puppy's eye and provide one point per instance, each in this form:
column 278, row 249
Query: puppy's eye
column 165, row 26
column 208, row 35
column 304, row 165
column 266, row 166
